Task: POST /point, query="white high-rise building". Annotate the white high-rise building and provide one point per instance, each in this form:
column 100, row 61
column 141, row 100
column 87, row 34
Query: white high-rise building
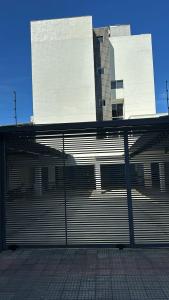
column 83, row 74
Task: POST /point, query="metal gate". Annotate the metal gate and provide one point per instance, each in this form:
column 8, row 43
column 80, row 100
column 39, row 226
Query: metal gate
column 103, row 184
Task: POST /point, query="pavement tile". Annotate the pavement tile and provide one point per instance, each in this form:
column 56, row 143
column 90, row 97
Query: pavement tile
column 6, row 296
column 77, row 274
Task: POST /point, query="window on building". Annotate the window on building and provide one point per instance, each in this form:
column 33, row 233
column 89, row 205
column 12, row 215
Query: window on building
column 116, row 84
column 119, row 84
column 117, row 111
column 100, row 71
column 103, row 102
column 113, row 85
column 100, row 38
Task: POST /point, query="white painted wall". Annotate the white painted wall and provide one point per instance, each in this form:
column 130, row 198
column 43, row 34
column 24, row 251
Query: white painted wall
column 133, row 63
column 63, row 70
column 120, row 30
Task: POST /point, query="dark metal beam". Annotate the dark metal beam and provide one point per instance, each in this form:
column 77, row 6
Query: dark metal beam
column 115, row 125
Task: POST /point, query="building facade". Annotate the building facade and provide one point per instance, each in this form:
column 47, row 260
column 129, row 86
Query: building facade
column 83, row 74
column 89, row 183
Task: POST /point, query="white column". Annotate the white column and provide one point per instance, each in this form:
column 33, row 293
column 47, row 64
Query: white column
column 38, row 181
column 98, row 176
column 51, row 176
column 147, row 175
column 162, row 177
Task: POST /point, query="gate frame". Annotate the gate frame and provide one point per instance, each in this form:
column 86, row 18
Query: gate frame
column 123, row 126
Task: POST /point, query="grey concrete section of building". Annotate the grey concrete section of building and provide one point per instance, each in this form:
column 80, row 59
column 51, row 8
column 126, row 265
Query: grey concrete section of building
column 102, row 81
column 69, row 274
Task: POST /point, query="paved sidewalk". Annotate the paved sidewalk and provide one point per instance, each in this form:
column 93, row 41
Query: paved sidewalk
column 72, row 274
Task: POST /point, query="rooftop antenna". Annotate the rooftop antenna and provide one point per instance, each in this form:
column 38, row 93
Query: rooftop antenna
column 15, row 112
column 167, row 96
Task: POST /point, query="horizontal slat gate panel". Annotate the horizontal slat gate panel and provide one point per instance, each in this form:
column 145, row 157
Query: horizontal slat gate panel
column 149, row 167
column 96, row 212
column 82, row 177
column 35, row 201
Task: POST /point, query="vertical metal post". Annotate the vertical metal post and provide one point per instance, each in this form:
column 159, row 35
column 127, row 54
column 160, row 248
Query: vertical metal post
column 167, row 96
column 2, row 194
column 16, row 121
column 128, row 187
column 64, row 187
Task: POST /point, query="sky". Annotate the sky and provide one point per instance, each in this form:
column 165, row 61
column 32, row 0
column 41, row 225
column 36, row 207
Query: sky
column 145, row 16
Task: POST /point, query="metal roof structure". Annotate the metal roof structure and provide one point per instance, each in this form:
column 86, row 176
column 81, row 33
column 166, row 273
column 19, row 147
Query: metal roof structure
column 114, row 126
